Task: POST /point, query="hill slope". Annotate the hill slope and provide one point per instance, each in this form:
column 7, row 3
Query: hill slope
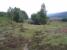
column 57, row 16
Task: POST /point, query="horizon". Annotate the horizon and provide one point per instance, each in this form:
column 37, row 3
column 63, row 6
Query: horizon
column 33, row 6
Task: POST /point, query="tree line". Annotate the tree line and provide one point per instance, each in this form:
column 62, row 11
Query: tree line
column 18, row 15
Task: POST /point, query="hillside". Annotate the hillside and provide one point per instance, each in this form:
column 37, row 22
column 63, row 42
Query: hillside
column 57, row 16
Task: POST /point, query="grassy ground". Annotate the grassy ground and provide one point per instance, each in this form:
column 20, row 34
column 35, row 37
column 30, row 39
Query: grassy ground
column 55, row 32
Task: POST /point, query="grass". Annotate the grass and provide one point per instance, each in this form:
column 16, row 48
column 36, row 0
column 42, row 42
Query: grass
column 51, row 35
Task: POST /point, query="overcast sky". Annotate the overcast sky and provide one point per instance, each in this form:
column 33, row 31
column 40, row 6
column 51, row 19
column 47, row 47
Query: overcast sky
column 32, row 6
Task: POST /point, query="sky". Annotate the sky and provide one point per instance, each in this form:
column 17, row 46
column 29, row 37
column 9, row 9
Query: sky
column 33, row 6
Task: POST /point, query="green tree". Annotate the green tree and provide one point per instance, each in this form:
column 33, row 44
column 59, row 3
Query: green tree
column 15, row 14
column 34, row 19
column 10, row 14
column 40, row 17
column 24, row 15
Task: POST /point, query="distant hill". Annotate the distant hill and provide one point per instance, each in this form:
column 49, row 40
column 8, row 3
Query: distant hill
column 57, row 16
